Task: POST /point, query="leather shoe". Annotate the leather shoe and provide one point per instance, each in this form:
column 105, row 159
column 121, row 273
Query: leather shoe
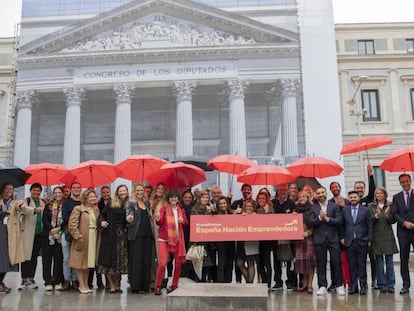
column 362, row 292
column 383, row 290
column 352, row 291
column 404, row 291
column 391, row 290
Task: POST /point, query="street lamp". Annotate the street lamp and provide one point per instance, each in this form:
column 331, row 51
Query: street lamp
column 357, row 111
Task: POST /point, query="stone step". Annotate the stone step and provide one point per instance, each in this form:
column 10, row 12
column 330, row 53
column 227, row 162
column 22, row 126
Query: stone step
column 218, row 297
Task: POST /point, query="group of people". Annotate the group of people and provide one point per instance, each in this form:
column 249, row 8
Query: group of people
column 140, row 234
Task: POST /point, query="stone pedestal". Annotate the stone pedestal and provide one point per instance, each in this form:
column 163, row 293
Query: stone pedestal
column 218, row 297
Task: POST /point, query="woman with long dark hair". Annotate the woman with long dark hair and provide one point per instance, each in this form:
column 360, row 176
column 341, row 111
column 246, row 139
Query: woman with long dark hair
column 171, row 219
column 51, row 242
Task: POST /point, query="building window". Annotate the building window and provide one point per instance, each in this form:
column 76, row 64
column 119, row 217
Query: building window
column 410, row 45
column 412, row 102
column 370, row 105
column 379, row 176
column 366, row 47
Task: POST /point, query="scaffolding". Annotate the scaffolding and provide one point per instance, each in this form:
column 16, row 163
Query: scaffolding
column 12, row 96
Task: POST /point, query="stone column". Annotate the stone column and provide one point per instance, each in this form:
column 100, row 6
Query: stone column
column 23, row 134
column 237, row 119
column 289, row 113
column 122, row 148
column 71, row 148
column 274, row 96
column 184, row 128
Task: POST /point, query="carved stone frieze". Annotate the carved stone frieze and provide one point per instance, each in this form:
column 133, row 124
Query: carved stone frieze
column 169, row 31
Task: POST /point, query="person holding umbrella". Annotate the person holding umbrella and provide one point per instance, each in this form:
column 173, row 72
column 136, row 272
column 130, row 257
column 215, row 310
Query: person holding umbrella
column 11, row 243
column 171, row 219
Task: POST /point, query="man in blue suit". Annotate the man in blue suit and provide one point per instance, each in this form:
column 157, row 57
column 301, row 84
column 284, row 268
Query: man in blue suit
column 326, row 219
column 357, row 240
column 403, row 211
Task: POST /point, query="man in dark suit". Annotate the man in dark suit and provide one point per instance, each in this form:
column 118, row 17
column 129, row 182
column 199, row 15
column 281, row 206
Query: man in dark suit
column 325, row 219
column 357, row 238
column 403, row 211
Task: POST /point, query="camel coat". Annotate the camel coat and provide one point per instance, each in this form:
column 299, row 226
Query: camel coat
column 14, row 231
column 79, row 229
column 29, row 227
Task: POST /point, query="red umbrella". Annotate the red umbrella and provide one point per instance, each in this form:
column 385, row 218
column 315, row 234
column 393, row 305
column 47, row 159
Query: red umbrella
column 315, row 167
column 266, row 175
column 46, row 174
column 91, row 174
column 230, row 163
column 178, row 175
column 400, row 160
column 138, row 167
column 365, row 143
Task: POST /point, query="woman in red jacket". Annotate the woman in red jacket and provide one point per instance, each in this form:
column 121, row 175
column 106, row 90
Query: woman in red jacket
column 171, row 220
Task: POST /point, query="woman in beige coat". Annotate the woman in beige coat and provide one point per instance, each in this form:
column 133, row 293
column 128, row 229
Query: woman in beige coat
column 11, row 242
column 83, row 228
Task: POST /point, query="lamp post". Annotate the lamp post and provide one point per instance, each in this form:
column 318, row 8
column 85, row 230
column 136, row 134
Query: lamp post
column 358, row 112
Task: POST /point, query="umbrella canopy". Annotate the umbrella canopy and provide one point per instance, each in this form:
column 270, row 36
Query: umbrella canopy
column 138, row 167
column 230, row 163
column 366, row 143
column 266, row 175
column 46, row 174
column 178, row 175
column 315, row 167
column 195, row 160
column 400, row 160
column 13, row 174
column 91, row 174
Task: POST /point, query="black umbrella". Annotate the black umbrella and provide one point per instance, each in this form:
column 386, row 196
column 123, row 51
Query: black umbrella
column 195, row 160
column 12, row 174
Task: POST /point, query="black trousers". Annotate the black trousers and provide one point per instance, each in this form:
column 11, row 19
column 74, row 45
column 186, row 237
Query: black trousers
column 357, row 260
column 265, row 264
column 29, row 266
column 321, row 251
column 139, row 262
column 405, row 244
column 226, row 252
column 52, row 260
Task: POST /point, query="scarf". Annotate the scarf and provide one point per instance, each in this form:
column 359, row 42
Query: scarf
column 175, row 243
column 56, row 219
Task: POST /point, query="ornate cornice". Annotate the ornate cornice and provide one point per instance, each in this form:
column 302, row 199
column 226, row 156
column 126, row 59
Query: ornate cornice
column 74, row 96
column 184, row 90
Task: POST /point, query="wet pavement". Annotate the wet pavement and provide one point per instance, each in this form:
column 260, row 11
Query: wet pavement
column 282, row 300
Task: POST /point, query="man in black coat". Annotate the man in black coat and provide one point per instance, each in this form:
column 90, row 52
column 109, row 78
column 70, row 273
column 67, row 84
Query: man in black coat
column 403, row 211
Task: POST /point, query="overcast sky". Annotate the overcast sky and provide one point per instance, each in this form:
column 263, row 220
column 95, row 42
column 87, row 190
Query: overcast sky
column 345, row 11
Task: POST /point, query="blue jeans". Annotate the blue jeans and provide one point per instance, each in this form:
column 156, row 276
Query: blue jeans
column 69, row 273
column 385, row 279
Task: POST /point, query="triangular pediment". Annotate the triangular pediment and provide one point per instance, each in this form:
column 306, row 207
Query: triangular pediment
column 159, row 24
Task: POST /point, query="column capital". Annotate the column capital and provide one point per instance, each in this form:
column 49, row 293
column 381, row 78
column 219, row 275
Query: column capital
column 184, row 90
column 25, row 99
column 275, row 94
column 74, row 96
column 290, row 87
column 123, row 92
column 237, row 87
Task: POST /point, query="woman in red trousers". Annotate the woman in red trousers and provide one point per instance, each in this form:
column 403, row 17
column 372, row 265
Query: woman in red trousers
column 171, row 220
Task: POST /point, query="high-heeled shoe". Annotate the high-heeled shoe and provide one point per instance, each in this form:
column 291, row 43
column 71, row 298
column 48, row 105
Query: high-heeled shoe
column 302, row 289
column 83, row 291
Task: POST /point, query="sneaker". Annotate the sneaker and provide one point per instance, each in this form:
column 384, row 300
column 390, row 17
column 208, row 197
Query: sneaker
column 277, row 288
column 32, row 285
column 22, row 286
column 340, row 290
column 290, row 287
column 49, row 288
column 321, row 291
column 58, row 287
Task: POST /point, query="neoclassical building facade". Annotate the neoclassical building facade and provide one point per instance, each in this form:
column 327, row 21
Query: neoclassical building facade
column 171, row 78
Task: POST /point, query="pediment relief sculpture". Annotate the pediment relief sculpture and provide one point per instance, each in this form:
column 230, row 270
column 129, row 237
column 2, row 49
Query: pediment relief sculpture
column 169, row 33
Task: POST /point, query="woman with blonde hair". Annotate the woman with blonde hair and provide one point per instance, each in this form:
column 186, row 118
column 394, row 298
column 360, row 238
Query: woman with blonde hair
column 83, row 228
column 140, row 234
column 113, row 257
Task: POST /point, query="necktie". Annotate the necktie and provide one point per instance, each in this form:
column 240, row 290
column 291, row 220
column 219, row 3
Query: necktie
column 354, row 214
column 407, row 199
